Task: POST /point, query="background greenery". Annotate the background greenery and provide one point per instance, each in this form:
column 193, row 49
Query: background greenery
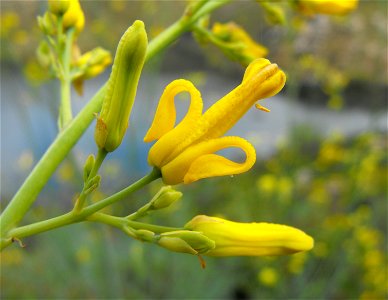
column 333, row 186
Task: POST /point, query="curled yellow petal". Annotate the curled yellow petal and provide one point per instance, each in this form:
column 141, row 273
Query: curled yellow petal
column 250, row 239
column 165, row 115
column 261, row 80
column 199, row 161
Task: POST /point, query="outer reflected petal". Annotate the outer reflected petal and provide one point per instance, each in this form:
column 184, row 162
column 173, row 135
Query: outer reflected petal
column 165, row 115
column 198, row 161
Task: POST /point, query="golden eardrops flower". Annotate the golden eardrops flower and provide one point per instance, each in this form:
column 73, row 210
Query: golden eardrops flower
column 250, row 239
column 329, row 7
column 74, row 17
column 185, row 152
column 238, row 44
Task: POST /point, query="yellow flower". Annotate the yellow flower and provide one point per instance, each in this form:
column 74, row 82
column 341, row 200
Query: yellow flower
column 250, row 239
column 329, row 7
column 268, row 276
column 185, row 153
column 233, row 35
column 74, row 17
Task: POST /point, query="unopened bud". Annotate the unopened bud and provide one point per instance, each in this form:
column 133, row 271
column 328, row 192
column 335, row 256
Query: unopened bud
column 237, row 44
column 89, row 164
column 43, row 54
column 92, row 184
column 145, row 235
column 47, row 23
column 121, row 90
column 165, row 197
column 274, row 12
column 58, row 7
column 184, row 241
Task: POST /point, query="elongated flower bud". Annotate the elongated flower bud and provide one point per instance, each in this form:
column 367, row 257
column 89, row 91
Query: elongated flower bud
column 250, row 239
column 122, row 85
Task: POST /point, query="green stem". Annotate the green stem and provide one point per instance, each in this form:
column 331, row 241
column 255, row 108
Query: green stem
column 74, row 217
column 155, row 174
column 65, row 112
column 181, row 26
column 120, row 222
column 101, row 154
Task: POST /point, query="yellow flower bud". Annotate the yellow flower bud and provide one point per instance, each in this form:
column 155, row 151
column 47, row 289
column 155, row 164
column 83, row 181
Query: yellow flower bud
column 121, row 90
column 186, row 242
column 74, row 17
column 238, row 45
column 58, row 7
column 93, row 62
column 250, row 239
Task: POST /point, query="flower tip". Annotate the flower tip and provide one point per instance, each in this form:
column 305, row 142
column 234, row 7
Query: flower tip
column 138, row 24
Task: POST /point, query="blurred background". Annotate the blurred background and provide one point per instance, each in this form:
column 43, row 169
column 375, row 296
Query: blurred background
column 322, row 159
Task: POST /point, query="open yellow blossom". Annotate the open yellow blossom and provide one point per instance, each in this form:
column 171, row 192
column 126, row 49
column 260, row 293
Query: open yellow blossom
column 250, row 239
column 328, row 7
column 185, row 153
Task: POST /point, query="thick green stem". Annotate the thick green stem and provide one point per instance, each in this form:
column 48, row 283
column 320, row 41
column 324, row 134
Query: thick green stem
column 65, row 113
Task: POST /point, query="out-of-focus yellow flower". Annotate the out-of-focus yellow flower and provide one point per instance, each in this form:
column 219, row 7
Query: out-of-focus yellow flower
column 91, row 64
column 329, row 7
column 267, row 183
column 58, row 7
column 250, row 239
column 268, row 276
column 321, row 249
column 12, row 257
column 20, row 37
column 8, row 21
column 83, row 255
column 185, row 153
column 297, row 262
column 238, row 44
column 74, row 17
column 368, row 237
